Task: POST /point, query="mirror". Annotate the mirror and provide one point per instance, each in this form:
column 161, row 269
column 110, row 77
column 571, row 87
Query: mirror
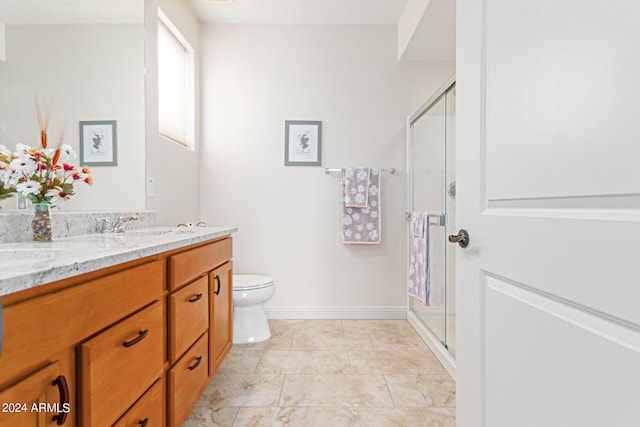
column 84, row 60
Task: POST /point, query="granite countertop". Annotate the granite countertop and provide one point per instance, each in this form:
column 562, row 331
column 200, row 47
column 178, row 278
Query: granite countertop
column 27, row 265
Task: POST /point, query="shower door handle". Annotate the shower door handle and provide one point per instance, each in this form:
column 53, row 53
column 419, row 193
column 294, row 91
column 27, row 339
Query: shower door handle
column 462, row 238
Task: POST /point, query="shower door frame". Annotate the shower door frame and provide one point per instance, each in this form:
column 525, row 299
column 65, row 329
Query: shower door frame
column 433, row 342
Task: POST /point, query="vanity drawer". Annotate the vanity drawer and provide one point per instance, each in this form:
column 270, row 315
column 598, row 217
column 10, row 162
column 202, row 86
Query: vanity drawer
column 149, row 409
column 190, row 264
column 188, row 316
column 118, row 365
column 187, row 379
column 38, row 328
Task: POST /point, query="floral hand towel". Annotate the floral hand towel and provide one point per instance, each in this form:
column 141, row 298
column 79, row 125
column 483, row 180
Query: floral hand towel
column 360, row 206
column 419, row 285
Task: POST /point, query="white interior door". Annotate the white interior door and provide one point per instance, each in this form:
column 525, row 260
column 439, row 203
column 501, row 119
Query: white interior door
column 548, row 146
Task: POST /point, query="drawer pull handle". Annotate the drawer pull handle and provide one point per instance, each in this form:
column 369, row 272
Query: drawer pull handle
column 217, row 292
column 61, row 382
column 144, row 422
column 195, row 365
column 197, row 297
column 142, row 335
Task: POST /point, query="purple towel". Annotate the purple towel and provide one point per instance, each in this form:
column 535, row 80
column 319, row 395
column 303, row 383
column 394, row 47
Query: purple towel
column 360, row 206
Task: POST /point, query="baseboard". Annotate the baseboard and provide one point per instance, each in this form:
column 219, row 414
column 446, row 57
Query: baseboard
column 340, row 312
column 441, row 353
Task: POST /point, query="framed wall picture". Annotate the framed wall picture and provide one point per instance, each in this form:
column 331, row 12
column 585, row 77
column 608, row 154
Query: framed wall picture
column 302, row 143
column 98, row 143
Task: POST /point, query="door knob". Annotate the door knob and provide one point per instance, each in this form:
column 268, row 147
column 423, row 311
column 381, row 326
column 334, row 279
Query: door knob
column 462, row 238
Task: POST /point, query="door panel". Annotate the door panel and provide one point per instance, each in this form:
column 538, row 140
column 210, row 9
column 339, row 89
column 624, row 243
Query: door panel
column 548, row 325
column 582, row 361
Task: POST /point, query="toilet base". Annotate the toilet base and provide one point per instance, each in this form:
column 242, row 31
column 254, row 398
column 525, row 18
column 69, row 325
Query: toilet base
column 250, row 324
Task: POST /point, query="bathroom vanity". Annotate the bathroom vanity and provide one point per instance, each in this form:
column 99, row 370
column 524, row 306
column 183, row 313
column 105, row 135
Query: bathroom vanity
column 121, row 330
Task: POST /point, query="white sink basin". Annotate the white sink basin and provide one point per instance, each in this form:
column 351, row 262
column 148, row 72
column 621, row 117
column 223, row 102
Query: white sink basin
column 18, row 257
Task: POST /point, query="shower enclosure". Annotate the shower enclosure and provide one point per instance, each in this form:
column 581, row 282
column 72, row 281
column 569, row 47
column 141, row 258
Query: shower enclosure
column 432, row 189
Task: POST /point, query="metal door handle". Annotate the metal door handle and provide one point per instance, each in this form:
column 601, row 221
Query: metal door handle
column 462, row 238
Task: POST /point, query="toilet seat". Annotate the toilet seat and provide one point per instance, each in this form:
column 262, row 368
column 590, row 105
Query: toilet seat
column 248, row 282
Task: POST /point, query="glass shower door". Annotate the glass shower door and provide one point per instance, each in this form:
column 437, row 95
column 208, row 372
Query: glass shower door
column 432, row 190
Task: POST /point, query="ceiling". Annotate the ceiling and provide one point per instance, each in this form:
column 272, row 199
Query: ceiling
column 299, row 11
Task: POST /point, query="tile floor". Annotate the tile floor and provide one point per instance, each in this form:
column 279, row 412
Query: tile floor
column 332, row 373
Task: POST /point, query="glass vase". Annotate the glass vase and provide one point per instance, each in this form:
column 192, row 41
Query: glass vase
column 41, row 223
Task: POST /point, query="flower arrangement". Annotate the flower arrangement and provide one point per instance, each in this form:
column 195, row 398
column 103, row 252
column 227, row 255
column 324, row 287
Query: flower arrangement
column 43, row 175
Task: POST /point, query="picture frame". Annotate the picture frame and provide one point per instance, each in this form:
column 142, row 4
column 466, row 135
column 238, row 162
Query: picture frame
column 99, row 143
column 302, row 143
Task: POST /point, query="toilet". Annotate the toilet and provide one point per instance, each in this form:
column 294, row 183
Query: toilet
column 250, row 323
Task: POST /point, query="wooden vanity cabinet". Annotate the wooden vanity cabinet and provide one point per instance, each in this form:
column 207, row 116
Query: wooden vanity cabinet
column 199, row 320
column 131, row 344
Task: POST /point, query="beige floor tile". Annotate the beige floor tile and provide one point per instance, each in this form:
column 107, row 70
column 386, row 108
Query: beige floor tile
column 335, row 390
column 394, row 342
column 240, row 362
column 410, row 361
column 278, row 341
column 242, row 390
column 332, row 341
column 294, row 417
column 398, row 327
column 306, row 326
column 422, row 390
column 207, row 416
column 351, row 373
column 303, row 362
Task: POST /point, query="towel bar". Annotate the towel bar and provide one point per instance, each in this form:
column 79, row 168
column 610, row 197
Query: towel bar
column 390, row 170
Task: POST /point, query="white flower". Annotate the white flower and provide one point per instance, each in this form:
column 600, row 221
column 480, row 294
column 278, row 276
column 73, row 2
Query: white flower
column 373, row 235
column 374, row 214
column 358, row 236
column 67, row 153
column 356, row 216
column 362, row 175
column 369, row 226
column 57, row 196
column 347, row 220
column 360, row 188
column 348, row 233
column 354, row 191
column 360, row 227
column 373, row 190
column 28, row 187
column 24, row 165
column 359, row 198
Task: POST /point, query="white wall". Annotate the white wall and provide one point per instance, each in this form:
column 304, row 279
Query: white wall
column 174, row 168
column 86, row 72
column 255, row 78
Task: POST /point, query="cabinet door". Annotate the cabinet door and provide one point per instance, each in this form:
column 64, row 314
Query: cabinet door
column 148, row 411
column 187, row 379
column 119, row 364
column 188, row 316
column 41, row 399
column 220, row 314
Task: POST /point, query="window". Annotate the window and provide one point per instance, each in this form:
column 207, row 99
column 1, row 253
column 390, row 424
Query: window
column 175, row 84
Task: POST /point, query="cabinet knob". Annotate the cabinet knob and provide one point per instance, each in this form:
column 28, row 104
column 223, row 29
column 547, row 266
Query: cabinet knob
column 144, row 422
column 195, row 365
column 63, row 389
column 195, row 298
column 217, row 292
column 141, row 335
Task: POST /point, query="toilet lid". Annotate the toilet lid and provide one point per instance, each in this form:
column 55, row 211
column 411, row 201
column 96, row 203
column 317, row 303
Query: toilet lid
column 246, row 282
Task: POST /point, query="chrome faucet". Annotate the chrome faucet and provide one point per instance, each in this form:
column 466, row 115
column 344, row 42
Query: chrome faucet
column 123, row 222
